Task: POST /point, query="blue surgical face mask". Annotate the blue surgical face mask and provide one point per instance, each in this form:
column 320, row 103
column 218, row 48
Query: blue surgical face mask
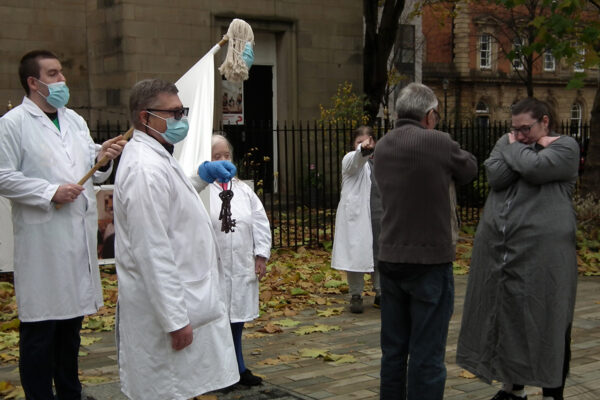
column 58, row 95
column 177, row 129
column 248, row 55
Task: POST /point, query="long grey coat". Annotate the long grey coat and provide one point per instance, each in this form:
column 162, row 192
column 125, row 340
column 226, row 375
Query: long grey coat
column 521, row 290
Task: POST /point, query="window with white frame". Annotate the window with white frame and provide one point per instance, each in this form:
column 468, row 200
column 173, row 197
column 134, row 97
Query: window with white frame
column 482, row 115
column 578, row 66
column 549, row 61
column 518, row 60
column 485, row 51
column 576, row 113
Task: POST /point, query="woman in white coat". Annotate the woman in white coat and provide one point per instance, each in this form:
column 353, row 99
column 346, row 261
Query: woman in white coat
column 357, row 218
column 174, row 340
column 244, row 252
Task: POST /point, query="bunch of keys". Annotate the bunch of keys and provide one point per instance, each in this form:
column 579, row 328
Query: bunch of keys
column 227, row 223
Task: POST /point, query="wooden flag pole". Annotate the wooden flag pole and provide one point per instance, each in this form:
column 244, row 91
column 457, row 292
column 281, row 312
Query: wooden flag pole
column 96, row 167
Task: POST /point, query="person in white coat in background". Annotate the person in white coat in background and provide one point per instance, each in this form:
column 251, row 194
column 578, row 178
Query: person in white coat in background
column 45, row 148
column 357, row 219
column 244, row 252
column 174, row 339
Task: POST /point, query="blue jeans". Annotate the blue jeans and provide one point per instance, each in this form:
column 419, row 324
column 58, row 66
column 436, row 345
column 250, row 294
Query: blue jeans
column 417, row 302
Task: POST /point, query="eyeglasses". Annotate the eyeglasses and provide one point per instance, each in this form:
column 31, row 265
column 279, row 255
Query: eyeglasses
column 524, row 129
column 177, row 113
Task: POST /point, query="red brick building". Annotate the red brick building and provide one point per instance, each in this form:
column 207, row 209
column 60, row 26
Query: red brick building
column 465, row 62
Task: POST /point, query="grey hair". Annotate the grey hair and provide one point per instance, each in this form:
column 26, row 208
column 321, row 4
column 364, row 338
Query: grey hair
column 415, row 101
column 216, row 138
column 144, row 95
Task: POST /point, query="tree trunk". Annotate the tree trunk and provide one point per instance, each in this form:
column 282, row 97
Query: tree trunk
column 379, row 40
column 529, row 80
column 590, row 182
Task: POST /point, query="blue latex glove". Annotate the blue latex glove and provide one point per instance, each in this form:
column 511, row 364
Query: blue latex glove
column 222, row 170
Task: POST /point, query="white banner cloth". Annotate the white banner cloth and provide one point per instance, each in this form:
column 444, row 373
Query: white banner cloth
column 197, row 91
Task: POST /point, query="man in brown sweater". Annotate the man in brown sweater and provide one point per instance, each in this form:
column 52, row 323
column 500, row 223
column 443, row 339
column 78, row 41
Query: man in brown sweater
column 414, row 166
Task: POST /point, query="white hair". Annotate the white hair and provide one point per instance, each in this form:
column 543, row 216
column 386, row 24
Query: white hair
column 415, row 101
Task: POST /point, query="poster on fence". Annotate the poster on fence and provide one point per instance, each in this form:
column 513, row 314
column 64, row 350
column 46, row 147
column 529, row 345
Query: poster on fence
column 106, row 226
column 106, row 229
column 233, row 103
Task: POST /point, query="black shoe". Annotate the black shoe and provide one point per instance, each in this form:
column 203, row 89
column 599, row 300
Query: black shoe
column 249, row 379
column 356, row 304
column 502, row 395
column 377, row 301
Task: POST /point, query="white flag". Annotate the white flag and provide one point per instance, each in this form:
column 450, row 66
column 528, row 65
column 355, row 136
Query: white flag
column 197, row 91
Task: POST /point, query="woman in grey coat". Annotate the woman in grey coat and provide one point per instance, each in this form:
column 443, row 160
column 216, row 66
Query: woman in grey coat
column 521, row 291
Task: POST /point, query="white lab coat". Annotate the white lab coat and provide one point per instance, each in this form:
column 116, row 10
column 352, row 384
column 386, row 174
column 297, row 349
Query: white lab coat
column 56, row 266
column 168, row 269
column 353, row 239
column 251, row 237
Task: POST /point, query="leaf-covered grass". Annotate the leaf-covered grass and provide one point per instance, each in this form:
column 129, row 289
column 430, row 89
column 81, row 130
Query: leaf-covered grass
column 296, row 280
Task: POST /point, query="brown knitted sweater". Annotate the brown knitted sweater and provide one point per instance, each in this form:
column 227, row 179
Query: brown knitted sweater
column 413, row 169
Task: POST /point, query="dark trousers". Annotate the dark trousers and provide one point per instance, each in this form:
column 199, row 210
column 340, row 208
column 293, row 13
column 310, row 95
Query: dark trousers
column 49, row 352
column 236, row 331
column 417, row 302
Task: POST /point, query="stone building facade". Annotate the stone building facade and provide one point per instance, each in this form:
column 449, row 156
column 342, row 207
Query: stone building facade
column 477, row 84
column 304, row 48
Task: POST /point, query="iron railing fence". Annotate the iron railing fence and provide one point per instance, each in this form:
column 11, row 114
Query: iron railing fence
column 296, row 169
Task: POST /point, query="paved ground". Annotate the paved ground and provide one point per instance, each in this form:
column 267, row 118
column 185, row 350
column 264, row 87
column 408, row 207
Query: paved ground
column 304, row 378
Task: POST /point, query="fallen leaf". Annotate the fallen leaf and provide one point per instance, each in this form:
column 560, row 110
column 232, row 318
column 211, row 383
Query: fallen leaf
column 287, row 358
column 289, row 313
column 330, row 311
column 312, row 353
column 100, row 324
column 255, row 335
column 8, row 340
column 270, row 328
column 11, row 356
column 270, row 361
column 17, row 393
column 340, row 358
column 336, row 359
column 466, row 374
column 111, row 295
column 298, row 291
column 281, row 359
column 89, row 340
column 306, row 330
column 206, row 397
column 265, row 295
column 334, row 284
column 287, row 323
column 12, row 325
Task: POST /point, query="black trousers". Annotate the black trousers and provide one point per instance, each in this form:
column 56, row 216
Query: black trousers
column 49, row 352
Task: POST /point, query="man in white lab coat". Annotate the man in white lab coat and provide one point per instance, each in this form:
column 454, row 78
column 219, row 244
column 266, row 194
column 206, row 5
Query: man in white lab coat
column 174, row 339
column 44, row 149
